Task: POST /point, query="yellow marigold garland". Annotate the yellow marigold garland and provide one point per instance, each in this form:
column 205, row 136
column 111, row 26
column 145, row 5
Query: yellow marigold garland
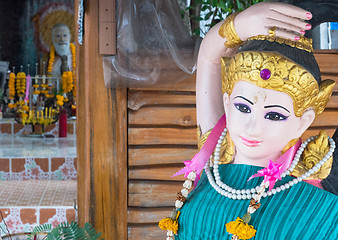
column 11, row 85
column 21, row 84
column 240, row 229
column 51, row 59
column 170, row 224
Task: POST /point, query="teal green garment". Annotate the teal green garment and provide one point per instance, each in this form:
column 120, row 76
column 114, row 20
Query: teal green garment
column 302, row 212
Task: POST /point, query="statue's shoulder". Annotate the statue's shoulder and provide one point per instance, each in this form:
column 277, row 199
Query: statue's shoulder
column 317, row 150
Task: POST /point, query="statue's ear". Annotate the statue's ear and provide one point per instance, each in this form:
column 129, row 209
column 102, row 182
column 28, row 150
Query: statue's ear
column 305, row 121
column 226, row 100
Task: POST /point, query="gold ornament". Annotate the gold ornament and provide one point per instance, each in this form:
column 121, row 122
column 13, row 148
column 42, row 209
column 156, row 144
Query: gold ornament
column 303, row 43
column 228, row 31
column 227, row 147
column 313, row 153
column 286, row 76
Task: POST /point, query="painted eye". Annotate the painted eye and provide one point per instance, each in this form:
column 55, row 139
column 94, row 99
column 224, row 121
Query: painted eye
column 274, row 116
column 243, row 108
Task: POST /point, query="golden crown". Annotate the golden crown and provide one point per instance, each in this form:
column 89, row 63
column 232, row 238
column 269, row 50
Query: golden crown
column 273, row 71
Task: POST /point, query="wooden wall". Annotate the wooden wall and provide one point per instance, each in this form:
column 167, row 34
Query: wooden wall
column 162, row 133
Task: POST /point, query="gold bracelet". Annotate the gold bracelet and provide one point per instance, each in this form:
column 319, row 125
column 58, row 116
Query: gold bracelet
column 227, row 30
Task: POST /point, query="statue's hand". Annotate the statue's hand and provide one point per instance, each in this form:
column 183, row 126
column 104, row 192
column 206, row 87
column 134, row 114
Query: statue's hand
column 256, row 20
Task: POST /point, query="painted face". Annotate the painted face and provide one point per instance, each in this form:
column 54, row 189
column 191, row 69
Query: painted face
column 260, row 122
column 61, row 40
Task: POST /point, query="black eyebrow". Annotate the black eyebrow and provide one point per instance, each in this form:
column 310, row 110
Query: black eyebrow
column 245, row 99
column 271, row 106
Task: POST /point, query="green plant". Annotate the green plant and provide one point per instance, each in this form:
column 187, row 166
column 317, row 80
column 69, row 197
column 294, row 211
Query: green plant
column 66, row 231
column 213, row 11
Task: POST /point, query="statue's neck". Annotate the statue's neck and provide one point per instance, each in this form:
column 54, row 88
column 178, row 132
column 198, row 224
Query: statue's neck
column 262, row 162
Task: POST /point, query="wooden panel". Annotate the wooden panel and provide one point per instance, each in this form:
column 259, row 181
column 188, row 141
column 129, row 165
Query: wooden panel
column 333, row 103
column 187, row 84
column 148, row 232
column 137, row 99
column 151, row 156
column 179, row 116
column 148, row 215
column 153, row 193
column 156, row 136
column 327, row 118
column 327, row 62
column 156, row 173
column 102, row 138
column 315, row 131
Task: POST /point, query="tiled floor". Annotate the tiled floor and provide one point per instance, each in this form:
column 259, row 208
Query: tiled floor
column 37, row 181
column 37, row 193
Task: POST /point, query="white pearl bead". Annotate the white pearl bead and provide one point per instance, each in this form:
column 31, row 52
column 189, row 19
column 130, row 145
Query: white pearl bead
column 192, row 176
column 243, row 191
column 287, row 172
column 248, row 196
column 233, row 191
column 238, row 192
column 283, row 174
column 311, row 171
column 247, row 191
column 269, row 193
column 273, row 191
column 184, row 192
column 295, row 181
column 265, row 194
column 253, row 190
column 307, row 174
column 287, row 185
column 187, row 184
column 230, row 195
column 282, row 187
column 178, row 204
column 291, row 183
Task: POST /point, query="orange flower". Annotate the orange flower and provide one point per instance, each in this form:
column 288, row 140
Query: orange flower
column 240, row 229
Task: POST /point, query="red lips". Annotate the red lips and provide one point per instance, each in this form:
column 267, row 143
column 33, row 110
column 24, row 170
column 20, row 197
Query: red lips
column 250, row 143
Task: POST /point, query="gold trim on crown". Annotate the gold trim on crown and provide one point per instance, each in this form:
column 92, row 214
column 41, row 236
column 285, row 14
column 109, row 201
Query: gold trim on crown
column 303, row 43
column 286, row 76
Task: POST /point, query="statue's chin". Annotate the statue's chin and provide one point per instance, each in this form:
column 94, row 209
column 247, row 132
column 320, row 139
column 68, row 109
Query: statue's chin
column 62, row 50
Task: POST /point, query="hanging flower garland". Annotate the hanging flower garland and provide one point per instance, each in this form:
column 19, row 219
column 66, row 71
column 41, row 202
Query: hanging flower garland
column 72, row 49
column 11, row 86
column 21, row 84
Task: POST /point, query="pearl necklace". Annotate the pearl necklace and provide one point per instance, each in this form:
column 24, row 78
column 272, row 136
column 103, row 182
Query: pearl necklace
column 239, row 194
